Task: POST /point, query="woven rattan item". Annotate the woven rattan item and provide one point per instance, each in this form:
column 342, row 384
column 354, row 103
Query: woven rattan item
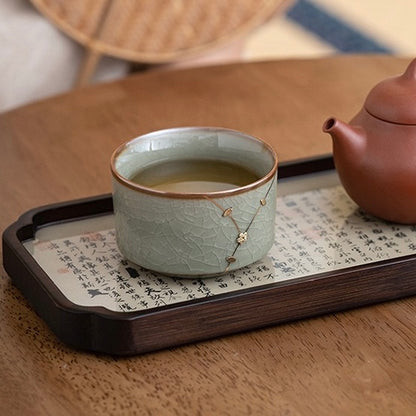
column 154, row 31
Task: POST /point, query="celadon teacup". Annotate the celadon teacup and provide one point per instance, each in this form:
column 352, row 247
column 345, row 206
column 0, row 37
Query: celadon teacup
column 195, row 234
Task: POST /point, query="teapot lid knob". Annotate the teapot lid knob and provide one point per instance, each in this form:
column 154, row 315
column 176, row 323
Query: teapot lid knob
column 394, row 99
column 410, row 72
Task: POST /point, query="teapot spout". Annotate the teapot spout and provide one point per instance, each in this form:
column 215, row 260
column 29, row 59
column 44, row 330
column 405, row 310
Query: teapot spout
column 345, row 138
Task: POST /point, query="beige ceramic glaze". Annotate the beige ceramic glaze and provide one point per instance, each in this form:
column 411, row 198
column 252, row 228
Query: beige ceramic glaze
column 375, row 154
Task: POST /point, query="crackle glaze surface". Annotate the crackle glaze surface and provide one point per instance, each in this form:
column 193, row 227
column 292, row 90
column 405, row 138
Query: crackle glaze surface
column 194, row 234
column 192, row 237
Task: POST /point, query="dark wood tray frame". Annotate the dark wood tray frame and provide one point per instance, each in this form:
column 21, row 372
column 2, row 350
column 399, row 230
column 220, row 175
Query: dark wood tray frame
column 126, row 333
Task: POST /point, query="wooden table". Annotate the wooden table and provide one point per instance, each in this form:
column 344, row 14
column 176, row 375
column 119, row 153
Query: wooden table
column 360, row 362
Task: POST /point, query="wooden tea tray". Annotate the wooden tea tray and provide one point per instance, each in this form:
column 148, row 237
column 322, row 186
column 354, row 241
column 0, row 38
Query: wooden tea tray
column 328, row 256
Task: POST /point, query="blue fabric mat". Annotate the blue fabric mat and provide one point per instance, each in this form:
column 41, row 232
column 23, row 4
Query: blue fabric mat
column 331, row 29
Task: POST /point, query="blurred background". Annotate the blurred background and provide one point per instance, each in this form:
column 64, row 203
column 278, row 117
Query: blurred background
column 49, row 47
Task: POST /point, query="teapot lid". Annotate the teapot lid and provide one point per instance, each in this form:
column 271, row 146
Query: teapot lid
column 394, row 99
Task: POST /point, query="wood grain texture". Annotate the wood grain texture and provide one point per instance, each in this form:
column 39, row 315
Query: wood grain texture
column 359, row 362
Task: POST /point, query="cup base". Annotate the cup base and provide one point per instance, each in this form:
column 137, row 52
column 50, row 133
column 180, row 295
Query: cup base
column 189, row 276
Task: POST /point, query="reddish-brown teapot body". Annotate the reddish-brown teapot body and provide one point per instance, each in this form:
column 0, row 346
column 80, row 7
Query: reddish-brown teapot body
column 375, row 154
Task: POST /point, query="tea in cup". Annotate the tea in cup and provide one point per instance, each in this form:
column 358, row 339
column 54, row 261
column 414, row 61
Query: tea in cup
column 194, row 201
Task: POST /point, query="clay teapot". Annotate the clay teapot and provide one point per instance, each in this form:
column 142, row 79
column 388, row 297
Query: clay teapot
column 375, row 154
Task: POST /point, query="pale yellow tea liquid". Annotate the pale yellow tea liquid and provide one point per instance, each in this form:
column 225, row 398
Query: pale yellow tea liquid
column 194, row 176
